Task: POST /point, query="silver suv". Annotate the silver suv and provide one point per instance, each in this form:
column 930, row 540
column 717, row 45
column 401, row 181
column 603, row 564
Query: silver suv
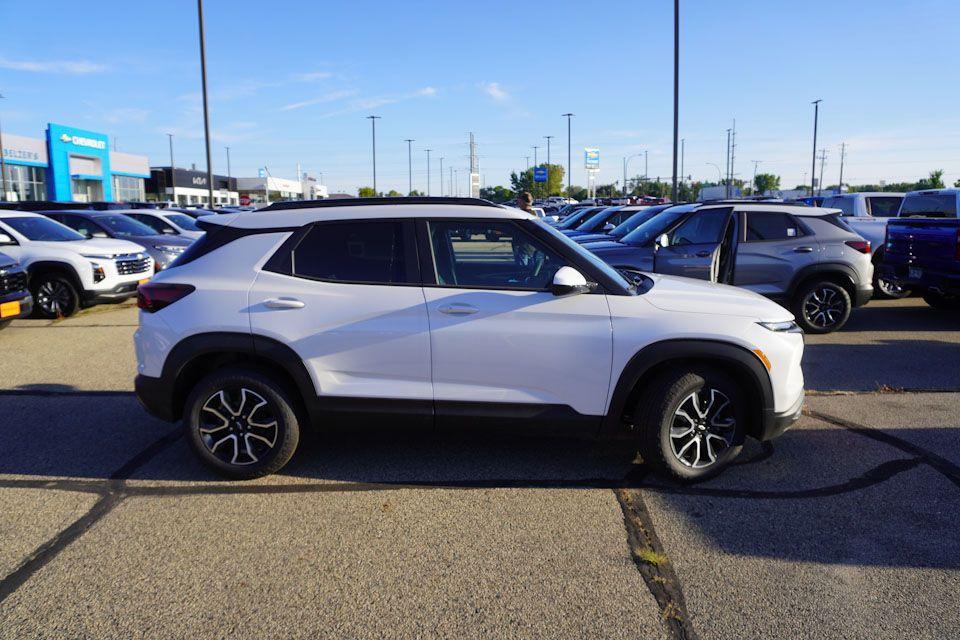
column 806, row 258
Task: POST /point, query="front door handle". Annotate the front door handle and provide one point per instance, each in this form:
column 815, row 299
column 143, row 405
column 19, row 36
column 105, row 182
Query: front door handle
column 704, row 254
column 803, row 250
column 458, row 309
column 284, row 303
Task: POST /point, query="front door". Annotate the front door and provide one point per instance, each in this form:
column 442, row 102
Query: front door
column 501, row 342
column 693, row 248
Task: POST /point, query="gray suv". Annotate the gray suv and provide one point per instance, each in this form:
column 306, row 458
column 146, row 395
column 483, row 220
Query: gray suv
column 806, row 258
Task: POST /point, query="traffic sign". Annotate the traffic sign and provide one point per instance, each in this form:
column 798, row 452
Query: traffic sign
column 539, row 174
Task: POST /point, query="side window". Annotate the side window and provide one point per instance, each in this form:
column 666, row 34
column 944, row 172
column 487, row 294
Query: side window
column 702, row 227
column 491, row 254
column 844, row 204
column 81, row 225
column 156, row 224
column 771, row 225
column 883, row 206
column 359, row 252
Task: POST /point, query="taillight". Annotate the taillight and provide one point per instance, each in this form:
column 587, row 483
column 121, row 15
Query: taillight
column 863, row 246
column 153, row 296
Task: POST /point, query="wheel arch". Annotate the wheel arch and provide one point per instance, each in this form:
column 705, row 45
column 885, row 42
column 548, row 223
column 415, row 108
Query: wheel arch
column 835, row 272
column 745, row 367
column 35, row 269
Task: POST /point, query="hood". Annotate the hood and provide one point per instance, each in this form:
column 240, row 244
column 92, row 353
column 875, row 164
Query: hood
column 103, row 246
column 604, row 245
column 686, row 295
column 592, row 237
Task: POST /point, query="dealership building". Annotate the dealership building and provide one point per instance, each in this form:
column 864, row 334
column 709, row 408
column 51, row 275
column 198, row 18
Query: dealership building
column 189, row 186
column 71, row 165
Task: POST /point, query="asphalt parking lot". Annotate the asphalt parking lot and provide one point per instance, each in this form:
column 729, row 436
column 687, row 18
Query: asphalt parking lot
column 844, row 527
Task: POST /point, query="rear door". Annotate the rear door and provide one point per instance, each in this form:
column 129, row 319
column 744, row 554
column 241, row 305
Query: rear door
column 774, row 248
column 346, row 296
column 693, row 247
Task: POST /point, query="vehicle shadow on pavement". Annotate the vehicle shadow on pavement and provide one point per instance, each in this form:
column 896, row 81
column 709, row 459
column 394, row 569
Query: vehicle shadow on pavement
column 895, row 315
column 905, row 364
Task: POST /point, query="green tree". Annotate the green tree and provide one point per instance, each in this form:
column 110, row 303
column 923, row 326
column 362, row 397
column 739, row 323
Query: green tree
column 416, row 193
column 577, row 193
column 523, row 181
column 935, row 181
column 957, row 184
column 766, row 182
column 366, row 192
column 497, row 194
column 393, row 193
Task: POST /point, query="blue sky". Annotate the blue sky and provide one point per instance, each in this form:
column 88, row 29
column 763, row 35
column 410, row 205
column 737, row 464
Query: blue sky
column 292, row 81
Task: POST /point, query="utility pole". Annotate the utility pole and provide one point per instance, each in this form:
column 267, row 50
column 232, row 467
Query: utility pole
column 428, row 171
column 733, row 155
column 206, row 111
column 569, row 165
column 173, row 172
column 3, row 165
column 843, row 155
column 409, row 141
column 228, row 164
column 813, row 164
column 535, row 165
column 823, row 160
column 441, row 176
column 373, row 130
column 676, row 91
column 753, row 183
column 726, row 191
column 527, row 158
column 451, row 181
column 683, row 142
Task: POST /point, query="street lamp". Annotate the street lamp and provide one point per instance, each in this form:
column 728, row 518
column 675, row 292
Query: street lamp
column 228, row 164
column 373, row 130
column 441, row 176
column 719, row 175
column 753, row 183
column 428, row 171
column 3, row 165
column 569, row 165
column 813, row 169
column 676, row 89
column 206, row 111
column 626, row 163
column 409, row 141
column 173, row 172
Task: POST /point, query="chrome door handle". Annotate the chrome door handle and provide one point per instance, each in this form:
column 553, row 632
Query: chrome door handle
column 458, row 309
column 284, row 303
column 803, row 250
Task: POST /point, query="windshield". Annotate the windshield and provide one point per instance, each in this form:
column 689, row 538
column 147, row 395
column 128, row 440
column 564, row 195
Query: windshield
column 576, row 217
column 634, row 221
column 598, row 219
column 124, row 227
column 183, row 221
column 42, row 229
column 646, row 232
column 930, row 206
column 592, row 258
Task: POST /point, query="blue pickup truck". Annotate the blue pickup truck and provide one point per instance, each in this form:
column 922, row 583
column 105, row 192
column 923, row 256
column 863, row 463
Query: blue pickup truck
column 922, row 249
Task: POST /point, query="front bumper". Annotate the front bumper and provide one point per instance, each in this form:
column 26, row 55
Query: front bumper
column 156, row 396
column 26, row 305
column 774, row 424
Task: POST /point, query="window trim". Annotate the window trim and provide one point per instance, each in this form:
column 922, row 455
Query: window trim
column 804, row 230
column 277, row 263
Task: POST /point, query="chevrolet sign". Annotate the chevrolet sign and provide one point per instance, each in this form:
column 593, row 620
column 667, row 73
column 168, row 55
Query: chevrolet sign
column 80, row 141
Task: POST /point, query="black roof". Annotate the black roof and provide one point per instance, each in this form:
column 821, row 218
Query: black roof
column 366, row 202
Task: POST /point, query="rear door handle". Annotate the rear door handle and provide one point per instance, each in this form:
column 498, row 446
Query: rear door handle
column 803, row 250
column 458, row 309
column 284, row 303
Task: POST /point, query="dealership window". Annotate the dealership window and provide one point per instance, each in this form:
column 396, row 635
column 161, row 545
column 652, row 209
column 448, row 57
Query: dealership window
column 128, row 189
column 27, row 182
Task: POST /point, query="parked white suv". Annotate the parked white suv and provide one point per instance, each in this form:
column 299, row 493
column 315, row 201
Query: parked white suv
column 68, row 271
column 381, row 310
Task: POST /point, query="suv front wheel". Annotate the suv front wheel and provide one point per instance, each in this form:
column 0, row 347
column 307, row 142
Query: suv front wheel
column 822, row 307
column 690, row 423
column 241, row 424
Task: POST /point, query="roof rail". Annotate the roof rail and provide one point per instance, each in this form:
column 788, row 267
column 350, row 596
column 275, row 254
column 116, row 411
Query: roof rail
column 365, row 202
column 747, row 201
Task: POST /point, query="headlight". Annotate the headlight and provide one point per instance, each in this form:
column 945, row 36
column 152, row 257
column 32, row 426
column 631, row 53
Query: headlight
column 787, row 326
column 98, row 256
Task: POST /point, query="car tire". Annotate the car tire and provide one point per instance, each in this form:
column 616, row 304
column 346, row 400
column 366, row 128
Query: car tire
column 690, row 447
column 822, row 307
column 938, row 301
column 241, row 424
column 4, row 324
column 54, row 296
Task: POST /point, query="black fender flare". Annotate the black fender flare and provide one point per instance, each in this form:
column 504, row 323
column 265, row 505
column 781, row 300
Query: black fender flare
column 749, row 367
column 847, row 273
column 41, row 266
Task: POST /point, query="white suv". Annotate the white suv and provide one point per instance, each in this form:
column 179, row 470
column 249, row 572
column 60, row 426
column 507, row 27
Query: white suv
column 68, row 271
column 387, row 310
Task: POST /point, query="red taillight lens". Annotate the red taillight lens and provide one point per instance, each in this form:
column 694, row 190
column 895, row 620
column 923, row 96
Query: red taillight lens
column 153, row 296
column 863, row 246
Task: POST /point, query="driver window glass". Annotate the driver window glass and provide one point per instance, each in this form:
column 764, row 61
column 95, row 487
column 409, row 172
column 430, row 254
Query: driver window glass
column 81, row 225
column 763, row 226
column 703, row 227
column 156, row 224
column 491, row 255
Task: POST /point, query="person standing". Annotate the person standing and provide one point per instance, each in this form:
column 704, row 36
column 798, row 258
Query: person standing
column 525, row 202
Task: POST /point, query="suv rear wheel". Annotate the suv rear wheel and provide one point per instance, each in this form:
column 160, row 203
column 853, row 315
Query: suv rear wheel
column 690, row 423
column 54, row 296
column 241, row 423
column 822, row 307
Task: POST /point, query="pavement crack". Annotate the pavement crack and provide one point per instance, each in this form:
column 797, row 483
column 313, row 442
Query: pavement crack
column 654, row 565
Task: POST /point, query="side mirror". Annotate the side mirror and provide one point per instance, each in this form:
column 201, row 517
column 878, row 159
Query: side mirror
column 170, row 231
column 568, row 280
column 608, row 227
column 5, row 239
column 99, row 234
column 663, row 241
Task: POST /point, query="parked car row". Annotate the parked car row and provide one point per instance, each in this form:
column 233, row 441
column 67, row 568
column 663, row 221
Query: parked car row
column 54, row 262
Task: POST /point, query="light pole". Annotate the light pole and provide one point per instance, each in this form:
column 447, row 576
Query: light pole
column 228, row 163
column 428, row 171
column 676, row 89
column 626, row 162
column 717, row 167
column 753, row 183
column 441, row 176
column 3, row 164
column 843, row 156
column 535, row 165
column 206, row 111
column 569, row 165
column 813, row 169
column 548, row 163
column 373, row 131
column 409, row 141
column 173, row 172
column 683, row 142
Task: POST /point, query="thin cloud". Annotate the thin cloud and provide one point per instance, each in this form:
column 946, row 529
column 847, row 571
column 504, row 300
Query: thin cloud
column 365, row 104
column 126, row 114
column 72, row 67
column 312, row 76
column 329, row 97
column 495, row 91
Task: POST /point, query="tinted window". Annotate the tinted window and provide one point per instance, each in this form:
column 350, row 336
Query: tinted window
column 930, row 206
column 42, row 229
column 647, row 231
column 764, row 225
column 575, row 218
column 884, row 206
column 158, row 225
column 83, row 226
column 370, row 252
column 491, row 254
column 701, row 228
column 844, row 204
column 183, row 221
column 124, row 227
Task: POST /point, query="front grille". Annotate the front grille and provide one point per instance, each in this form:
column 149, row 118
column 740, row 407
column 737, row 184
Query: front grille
column 11, row 281
column 130, row 264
